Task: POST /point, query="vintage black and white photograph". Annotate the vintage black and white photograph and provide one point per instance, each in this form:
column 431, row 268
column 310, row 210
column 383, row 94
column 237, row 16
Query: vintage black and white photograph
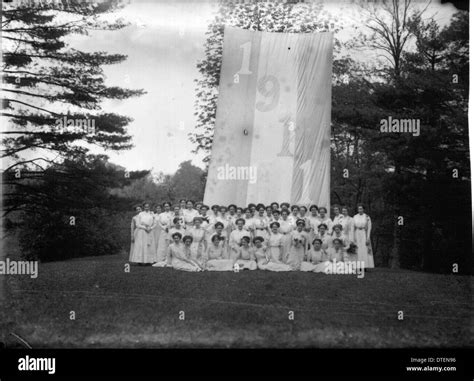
column 236, row 174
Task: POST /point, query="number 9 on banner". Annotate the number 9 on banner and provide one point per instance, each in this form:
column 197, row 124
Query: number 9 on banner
column 269, row 87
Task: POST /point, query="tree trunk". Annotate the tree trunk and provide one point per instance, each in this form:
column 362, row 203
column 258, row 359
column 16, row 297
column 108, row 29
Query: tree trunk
column 3, row 278
column 395, row 253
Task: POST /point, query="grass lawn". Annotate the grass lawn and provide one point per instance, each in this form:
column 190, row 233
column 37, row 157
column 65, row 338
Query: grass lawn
column 247, row 309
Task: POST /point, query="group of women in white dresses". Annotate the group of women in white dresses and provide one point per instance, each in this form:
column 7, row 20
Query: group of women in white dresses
column 194, row 237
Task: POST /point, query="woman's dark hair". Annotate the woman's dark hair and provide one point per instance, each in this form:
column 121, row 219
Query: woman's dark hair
column 176, row 234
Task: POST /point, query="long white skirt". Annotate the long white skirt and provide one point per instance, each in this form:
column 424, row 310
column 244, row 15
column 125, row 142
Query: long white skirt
column 362, row 250
column 157, row 233
column 246, row 264
column 273, row 266
column 162, row 247
column 307, row 266
column 295, row 257
column 178, row 264
column 143, row 247
column 219, row 265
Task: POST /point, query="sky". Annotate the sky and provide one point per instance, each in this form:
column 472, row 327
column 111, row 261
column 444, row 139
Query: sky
column 164, row 42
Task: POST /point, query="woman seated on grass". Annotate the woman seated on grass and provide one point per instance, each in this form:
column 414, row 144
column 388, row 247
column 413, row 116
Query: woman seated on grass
column 177, row 257
column 214, row 257
column 264, row 258
column 244, row 257
column 316, row 258
column 336, row 251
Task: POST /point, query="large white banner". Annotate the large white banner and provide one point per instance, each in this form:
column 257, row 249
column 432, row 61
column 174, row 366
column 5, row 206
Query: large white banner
column 272, row 130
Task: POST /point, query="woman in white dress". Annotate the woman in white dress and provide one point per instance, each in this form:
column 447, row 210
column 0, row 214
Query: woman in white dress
column 313, row 222
column 253, row 209
column 214, row 258
column 269, row 212
column 362, row 229
column 198, row 206
column 182, row 205
column 189, row 213
column 178, row 213
column 177, row 257
column 199, row 244
column 275, row 243
column 324, row 219
column 299, row 240
column 222, row 218
column 235, row 237
column 337, row 233
column 231, row 217
column 285, row 229
column 157, row 229
column 261, row 223
column 213, row 215
column 285, row 206
column 245, row 257
column 164, row 220
column 249, row 225
column 204, row 216
column 133, row 227
column 176, row 227
column 335, row 263
column 223, row 236
column 293, row 217
column 338, row 217
column 316, row 258
column 336, row 251
column 144, row 248
column 347, row 223
column 264, row 259
column 303, row 215
column 324, row 236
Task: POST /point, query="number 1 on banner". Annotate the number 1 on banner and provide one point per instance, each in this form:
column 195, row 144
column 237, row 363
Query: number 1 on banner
column 245, row 67
column 306, row 166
